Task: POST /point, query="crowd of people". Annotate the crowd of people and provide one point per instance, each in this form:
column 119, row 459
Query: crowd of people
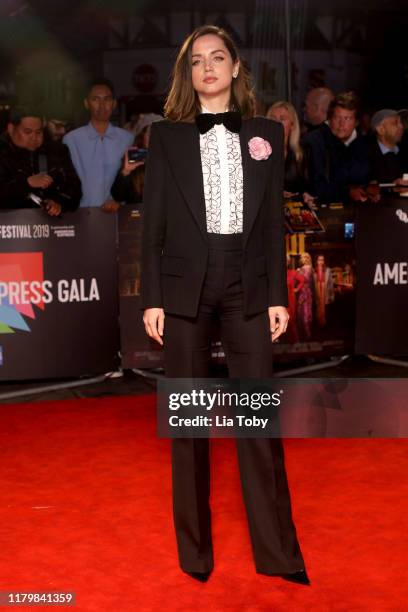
column 44, row 164
column 332, row 155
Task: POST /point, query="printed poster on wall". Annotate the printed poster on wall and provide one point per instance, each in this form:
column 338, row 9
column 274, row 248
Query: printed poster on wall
column 321, row 277
column 58, row 294
column 137, row 349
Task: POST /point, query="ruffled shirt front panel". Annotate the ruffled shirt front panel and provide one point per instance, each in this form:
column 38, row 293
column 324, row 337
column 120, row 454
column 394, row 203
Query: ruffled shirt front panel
column 223, row 180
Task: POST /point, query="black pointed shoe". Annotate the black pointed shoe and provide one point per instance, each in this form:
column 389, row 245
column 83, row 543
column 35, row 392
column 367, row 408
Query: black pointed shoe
column 200, row 576
column 299, row 577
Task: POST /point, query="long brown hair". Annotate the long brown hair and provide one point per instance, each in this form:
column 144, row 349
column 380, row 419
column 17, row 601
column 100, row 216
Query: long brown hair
column 182, row 102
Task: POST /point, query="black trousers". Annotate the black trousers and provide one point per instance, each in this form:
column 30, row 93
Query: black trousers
column 248, row 348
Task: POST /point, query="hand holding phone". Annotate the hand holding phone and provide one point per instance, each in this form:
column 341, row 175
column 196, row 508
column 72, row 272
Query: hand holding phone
column 136, row 155
column 131, row 161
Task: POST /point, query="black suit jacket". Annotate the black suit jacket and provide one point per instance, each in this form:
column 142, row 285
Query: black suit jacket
column 174, row 243
column 17, row 164
column 335, row 167
column 386, row 168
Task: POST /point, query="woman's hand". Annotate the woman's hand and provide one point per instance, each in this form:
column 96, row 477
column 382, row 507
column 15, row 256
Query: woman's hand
column 153, row 320
column 128, row 167
column 278, row 321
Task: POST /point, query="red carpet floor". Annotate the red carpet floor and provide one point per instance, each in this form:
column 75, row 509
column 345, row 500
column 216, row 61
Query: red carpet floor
column 86, row 506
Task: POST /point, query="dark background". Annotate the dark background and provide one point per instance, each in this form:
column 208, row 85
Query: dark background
column 48, row 46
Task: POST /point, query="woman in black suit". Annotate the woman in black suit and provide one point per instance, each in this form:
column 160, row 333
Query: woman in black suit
column 213, row 247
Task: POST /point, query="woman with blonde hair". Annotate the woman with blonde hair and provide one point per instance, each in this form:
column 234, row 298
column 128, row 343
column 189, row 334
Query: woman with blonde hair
column 213, row 248
column 295, row 179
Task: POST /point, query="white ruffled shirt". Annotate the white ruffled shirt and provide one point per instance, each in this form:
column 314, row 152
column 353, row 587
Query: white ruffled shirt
column 223, row 179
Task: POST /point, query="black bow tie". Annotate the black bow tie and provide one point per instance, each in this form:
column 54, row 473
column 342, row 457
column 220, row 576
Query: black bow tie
column 232, row 121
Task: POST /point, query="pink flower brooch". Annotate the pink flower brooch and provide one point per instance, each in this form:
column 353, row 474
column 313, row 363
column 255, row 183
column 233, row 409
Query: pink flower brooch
column 259, row 148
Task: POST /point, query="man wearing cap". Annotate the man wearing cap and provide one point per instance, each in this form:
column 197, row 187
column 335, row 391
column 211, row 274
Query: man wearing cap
column 387, row 161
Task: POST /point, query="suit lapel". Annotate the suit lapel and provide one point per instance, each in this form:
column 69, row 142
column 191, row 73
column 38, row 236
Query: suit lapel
column 183, row 152
column 185, row 160
column 255, row 174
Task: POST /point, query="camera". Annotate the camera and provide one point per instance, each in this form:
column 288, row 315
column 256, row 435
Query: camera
column 37, row 200
column 136, row 155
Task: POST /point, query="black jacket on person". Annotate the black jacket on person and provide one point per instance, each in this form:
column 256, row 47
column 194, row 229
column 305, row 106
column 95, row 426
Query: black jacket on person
column 335, row 167
column 386, row 167
column 123, row 189
column 17, row 164
column 296, row 172
column 175, row 246
column 307, row 127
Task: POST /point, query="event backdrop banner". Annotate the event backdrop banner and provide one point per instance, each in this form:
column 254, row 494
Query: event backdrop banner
column 137, row 350
column 321, row 279
column 58, row 297
column 321, row 287
column 382, row 295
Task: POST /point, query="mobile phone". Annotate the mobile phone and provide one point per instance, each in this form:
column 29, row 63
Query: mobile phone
column 349, row 231
column 36, row 200
column 134, row 155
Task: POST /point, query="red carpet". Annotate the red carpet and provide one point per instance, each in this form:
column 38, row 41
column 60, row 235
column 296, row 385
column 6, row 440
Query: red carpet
column 86, row 506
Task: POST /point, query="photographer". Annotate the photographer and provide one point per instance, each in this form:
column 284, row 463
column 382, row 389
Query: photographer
column 34, row 173
column 129, row 182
